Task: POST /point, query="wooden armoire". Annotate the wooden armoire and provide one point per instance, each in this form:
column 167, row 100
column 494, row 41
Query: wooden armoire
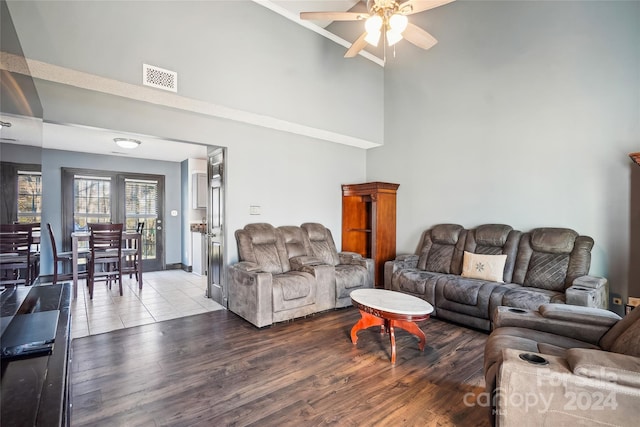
column 369, row 223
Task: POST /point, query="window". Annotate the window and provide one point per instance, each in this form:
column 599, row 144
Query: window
column 91, row 200
column 29, row 196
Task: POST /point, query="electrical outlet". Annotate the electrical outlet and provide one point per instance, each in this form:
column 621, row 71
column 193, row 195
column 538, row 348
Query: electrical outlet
column 617, row 301
column 254, row 210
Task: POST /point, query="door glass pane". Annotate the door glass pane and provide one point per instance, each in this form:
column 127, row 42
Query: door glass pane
column 29, row 196
column 91, row 201
column 141, row 205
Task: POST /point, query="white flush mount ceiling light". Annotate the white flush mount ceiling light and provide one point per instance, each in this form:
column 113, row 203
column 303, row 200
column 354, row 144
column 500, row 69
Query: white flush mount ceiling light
column 127, row 143
column 388, row 16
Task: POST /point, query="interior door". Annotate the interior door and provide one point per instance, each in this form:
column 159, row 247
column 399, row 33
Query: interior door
column 215, row 226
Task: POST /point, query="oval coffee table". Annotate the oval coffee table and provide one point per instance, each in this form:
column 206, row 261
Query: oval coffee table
column 390, row 309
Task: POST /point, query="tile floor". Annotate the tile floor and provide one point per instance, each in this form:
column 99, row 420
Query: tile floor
column 164, row 295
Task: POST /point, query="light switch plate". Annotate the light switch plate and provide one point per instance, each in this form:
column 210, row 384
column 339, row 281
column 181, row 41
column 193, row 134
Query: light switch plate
column 254, row 210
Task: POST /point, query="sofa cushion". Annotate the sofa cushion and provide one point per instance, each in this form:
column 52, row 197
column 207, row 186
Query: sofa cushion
column 492, row 235
column 615, row 337
column 462, row 291
column 553, row 240
column 414, row 281
column 439, row 260
column 609, row 367
column 629, row 341
column 268, row 258
column 348, row 277
column 263, row 244
column 296, row 241
column 547, row 271
column 322, row 244
column 531, row 298
column 292, row 290
column 441, row 249
column 484, row 267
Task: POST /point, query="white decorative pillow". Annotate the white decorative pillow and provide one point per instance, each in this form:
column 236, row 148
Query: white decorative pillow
column 485, row 267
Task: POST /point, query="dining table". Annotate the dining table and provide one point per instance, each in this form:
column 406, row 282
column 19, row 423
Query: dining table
column 83, row 236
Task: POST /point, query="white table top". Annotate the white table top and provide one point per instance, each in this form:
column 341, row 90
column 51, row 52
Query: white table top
column 392, row 302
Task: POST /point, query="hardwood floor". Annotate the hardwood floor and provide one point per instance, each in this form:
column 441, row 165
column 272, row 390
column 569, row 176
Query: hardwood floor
column 215, row 369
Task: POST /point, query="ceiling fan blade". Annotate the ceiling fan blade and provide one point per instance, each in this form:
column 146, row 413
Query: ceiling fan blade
column 334, row 16
column 415, row 6
column 357, row 46
column 418, row 36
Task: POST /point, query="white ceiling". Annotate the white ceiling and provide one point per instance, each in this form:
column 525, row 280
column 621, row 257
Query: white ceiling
column 28, row 131
column 100, row 141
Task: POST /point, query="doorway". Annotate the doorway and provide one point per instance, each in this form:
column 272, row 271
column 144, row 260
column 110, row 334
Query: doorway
column 95, row 196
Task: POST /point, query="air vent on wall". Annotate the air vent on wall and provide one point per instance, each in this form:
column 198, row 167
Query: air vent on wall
column 159, row 78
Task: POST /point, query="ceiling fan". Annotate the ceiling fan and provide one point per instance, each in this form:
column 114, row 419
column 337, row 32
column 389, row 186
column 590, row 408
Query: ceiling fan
column 386, row 17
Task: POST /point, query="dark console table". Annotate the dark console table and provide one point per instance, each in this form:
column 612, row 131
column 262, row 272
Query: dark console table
column 35, row 390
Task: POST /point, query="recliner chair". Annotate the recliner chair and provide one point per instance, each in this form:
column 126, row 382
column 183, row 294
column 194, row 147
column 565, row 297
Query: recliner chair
column 563, row 365
column 352, row 271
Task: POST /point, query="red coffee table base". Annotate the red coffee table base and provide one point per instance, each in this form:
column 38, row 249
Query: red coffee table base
column 388, row 322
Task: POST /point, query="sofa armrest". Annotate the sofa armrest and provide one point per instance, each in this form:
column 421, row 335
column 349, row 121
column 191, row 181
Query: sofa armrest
column 250, row 293
column 588, row 291
column 590, row 315
column 605, row 366
column 352, row 258
column 401, row 262
column 547, row 392
column 300, row 261
column 408, row 260
column 349, row 257
column 582, row 323
column 248, row 266
column 325, row 276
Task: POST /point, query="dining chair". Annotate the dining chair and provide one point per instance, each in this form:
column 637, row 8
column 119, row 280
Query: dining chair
column 105, row 245
column 132, row 263
column 16, row 261
column 64, row 257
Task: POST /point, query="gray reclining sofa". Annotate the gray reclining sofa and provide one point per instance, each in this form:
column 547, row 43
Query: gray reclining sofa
column 545, row 265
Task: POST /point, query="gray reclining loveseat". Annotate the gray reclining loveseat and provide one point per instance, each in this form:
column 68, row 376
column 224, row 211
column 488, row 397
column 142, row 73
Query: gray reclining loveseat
column 467, row 274
column 290, row 272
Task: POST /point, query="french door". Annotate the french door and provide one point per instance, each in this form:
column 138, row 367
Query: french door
column 103, row 196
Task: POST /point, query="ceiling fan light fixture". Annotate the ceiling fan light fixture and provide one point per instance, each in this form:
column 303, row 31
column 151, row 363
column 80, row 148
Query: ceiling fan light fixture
column 127, row 143
column 373, row 24
column 398, row 22
column 393, row 37
column 373, row 38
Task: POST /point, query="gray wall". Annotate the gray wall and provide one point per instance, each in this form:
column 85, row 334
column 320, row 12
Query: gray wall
column 54, row 160
column 523, row 114
column 230, row 54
